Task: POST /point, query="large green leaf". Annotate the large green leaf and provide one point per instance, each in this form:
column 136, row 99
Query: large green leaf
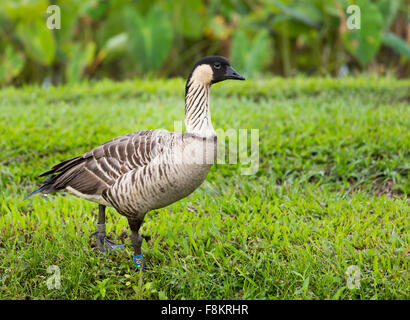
column 37, row 40
column 240, row 46
column 295, row 18
column 397, row 44
column 250, row 55
column 111, row 26
column 114, row 46
column 24, row 10
column 150, row 37
column 79, row 58
column 303, row 12
column 11, row 64
column 388, row 9
column 69, row 10
column 364, row 43
column 188, row 17
column 96, row 9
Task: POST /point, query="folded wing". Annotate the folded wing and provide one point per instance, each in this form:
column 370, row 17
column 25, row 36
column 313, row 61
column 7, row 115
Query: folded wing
column 97, row 170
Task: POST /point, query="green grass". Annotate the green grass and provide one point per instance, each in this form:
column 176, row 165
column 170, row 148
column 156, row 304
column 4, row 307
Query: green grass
column 331, row 192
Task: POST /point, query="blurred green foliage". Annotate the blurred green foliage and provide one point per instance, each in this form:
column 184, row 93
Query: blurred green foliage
column 125, row 38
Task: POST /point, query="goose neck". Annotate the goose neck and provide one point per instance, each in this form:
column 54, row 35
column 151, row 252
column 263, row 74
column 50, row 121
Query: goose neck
column 197, row 113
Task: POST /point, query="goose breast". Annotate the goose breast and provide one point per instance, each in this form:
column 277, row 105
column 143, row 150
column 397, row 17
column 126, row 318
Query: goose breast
column 180, row 168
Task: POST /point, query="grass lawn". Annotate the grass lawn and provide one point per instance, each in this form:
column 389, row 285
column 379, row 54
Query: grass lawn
column 331, row 192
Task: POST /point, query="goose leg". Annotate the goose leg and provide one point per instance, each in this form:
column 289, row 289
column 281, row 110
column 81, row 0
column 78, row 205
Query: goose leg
column 136, row 242
column 100, row 236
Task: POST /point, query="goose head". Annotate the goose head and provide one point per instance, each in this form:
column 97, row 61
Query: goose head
column 212, row 69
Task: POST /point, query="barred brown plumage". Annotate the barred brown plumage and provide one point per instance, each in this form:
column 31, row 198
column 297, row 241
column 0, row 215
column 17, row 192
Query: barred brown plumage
column 151, row 169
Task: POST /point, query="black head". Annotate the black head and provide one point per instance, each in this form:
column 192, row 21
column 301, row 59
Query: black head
column 213, row 69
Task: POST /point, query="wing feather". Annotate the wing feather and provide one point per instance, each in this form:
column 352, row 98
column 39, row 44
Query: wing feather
column 96, row 170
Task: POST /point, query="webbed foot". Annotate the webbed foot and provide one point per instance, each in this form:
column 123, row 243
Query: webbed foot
column 102, row 242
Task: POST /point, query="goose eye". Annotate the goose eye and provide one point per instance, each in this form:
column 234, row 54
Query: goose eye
column 217, row 65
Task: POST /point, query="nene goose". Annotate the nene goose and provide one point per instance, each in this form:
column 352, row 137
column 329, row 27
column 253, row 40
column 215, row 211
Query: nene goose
column 147, row 170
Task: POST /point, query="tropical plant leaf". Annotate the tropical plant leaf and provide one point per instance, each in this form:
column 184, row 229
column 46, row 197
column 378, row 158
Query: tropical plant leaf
column 240, row 45
column 114, row 46
column 388, row 9
column 364, row 43
column 150, row 37
column 110, row 27
column 24, row 10
column 69, row 16
column 96, row 9
column 303, row 12
column 397, row 44
column 12, row 62
column 248, row 55
column 116, row 43
column 159, row 39
column 37, row 40
column 80, row 57
column 188, row 16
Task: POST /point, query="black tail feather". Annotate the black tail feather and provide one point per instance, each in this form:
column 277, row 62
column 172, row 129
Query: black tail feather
column 50, row 184
column 63, row 166
column 38, row 190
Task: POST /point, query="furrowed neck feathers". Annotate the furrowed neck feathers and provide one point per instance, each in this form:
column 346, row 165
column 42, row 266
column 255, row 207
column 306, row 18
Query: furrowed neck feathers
column 197, row 94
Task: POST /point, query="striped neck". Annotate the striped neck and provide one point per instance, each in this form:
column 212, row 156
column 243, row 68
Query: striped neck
column 197, row 113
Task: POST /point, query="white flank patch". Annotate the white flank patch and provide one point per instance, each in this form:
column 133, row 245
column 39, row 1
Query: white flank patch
column 90, row 197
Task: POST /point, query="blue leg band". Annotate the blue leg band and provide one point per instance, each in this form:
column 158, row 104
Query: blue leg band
column 139, row 261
